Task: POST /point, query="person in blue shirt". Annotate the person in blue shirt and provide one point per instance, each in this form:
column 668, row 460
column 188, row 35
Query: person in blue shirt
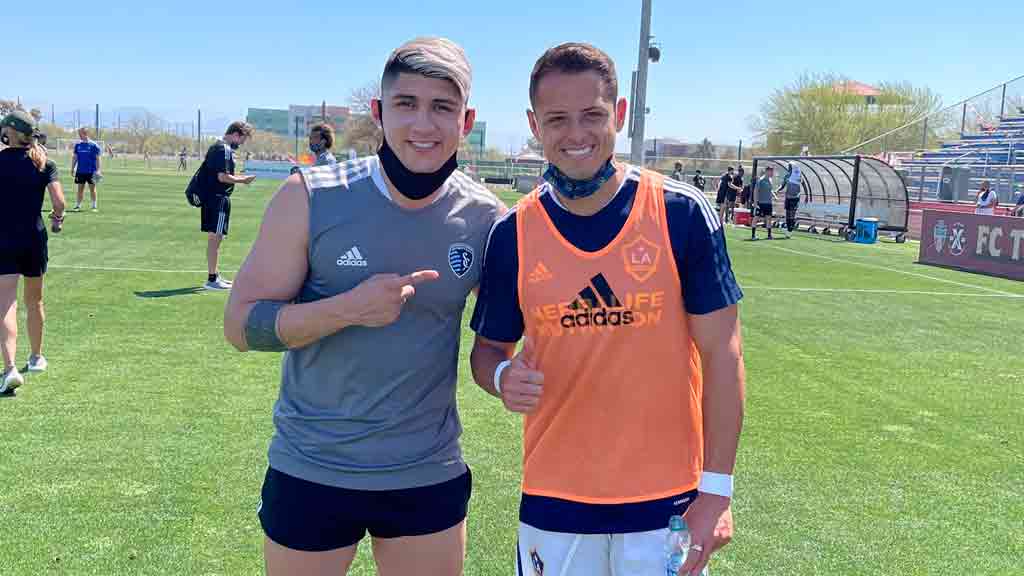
column 1018, row 209
column 85, row 165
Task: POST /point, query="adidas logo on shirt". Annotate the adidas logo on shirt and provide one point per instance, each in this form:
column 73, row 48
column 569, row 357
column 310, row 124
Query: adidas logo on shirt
column 540, row 274
column 352, row 258
column 597, row 305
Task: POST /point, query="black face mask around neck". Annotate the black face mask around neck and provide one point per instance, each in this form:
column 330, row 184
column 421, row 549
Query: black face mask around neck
column 412, row 185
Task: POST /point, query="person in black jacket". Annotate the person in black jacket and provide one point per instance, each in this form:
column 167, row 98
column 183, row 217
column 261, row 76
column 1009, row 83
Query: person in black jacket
column 25, row 173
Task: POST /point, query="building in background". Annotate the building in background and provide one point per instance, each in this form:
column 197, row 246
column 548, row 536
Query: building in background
column 285, row 122
column 268, row 120
column 306, row 116
column 668, row 147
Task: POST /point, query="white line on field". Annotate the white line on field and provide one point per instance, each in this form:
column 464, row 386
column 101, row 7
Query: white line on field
column 880, row 291
column 117, row 269
column 895, row 270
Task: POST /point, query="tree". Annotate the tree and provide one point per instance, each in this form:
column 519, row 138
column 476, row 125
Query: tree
column 705, row 149
column 820, row 111
column 361, row 131
column 36, row 113
column 7, row 106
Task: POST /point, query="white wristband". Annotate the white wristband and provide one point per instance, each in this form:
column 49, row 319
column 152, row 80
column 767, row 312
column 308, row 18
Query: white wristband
column 497, row 374
column 715, row 483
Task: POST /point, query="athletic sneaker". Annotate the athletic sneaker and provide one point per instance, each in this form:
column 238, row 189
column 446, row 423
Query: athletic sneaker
column 94, row 208
column 12, row 379
column 36, row 364
column 77, row 208
column 218, row 284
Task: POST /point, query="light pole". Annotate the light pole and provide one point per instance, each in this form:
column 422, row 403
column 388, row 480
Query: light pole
column 639, row 104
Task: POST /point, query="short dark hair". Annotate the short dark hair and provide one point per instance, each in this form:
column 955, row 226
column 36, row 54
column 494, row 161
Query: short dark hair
column 326, row 132
column 239, row 127
column 576, row 58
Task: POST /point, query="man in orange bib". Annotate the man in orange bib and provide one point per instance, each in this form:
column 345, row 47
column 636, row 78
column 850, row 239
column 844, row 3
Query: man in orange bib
column 631, row 374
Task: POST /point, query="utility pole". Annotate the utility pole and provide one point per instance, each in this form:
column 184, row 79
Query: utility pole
column 640, row 99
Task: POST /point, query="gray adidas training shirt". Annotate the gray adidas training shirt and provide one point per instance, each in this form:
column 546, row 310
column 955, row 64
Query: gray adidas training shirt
column 374, row 408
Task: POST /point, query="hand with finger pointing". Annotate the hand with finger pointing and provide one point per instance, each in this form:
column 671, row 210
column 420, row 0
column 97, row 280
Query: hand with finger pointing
column 521, row 384
column 379, row 299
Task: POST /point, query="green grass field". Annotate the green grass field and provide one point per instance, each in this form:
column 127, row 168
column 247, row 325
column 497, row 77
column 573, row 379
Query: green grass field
column 884, row 430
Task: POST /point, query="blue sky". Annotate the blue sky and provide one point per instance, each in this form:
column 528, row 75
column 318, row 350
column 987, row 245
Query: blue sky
column 720, row 59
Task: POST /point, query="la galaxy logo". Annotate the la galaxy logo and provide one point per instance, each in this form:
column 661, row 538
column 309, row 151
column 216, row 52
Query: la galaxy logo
column 641, row 258
column 460, row 258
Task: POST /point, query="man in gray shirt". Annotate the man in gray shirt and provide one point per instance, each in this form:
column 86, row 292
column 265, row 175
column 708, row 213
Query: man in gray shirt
column 361, row 272
column 763, row 197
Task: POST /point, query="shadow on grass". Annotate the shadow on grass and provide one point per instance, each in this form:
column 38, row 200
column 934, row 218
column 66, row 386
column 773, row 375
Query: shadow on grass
column 171, row 293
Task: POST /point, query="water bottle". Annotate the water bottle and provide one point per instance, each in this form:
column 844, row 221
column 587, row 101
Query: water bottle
column 677, row 545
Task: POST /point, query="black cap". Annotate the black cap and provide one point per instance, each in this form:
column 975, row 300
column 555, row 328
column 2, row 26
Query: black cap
column 21, row 121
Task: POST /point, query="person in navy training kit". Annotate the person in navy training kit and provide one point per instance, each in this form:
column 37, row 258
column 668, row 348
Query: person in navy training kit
column 576, row 115
column 85, row 165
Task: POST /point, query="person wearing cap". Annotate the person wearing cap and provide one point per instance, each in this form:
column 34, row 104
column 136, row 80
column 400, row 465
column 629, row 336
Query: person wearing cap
column 25, row 173
column 360, row 274
column 85, row 165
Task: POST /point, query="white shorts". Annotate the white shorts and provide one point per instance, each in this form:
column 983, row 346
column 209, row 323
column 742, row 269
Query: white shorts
column 543, row 553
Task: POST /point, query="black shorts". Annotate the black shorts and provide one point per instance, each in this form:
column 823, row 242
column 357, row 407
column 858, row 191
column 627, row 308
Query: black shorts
column 303, row 515
column 28, row 261
column 216, row 213
column 792, row 204
column 764, row 209
column 721, row 196
column 85, row 178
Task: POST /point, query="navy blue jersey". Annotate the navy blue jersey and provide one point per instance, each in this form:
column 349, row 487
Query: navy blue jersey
column 698, row 245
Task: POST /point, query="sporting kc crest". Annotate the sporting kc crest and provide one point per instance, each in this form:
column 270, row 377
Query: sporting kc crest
column 641, row 258
column 460, row 258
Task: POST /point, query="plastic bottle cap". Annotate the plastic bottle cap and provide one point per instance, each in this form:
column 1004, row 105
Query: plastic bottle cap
column 676, row 523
